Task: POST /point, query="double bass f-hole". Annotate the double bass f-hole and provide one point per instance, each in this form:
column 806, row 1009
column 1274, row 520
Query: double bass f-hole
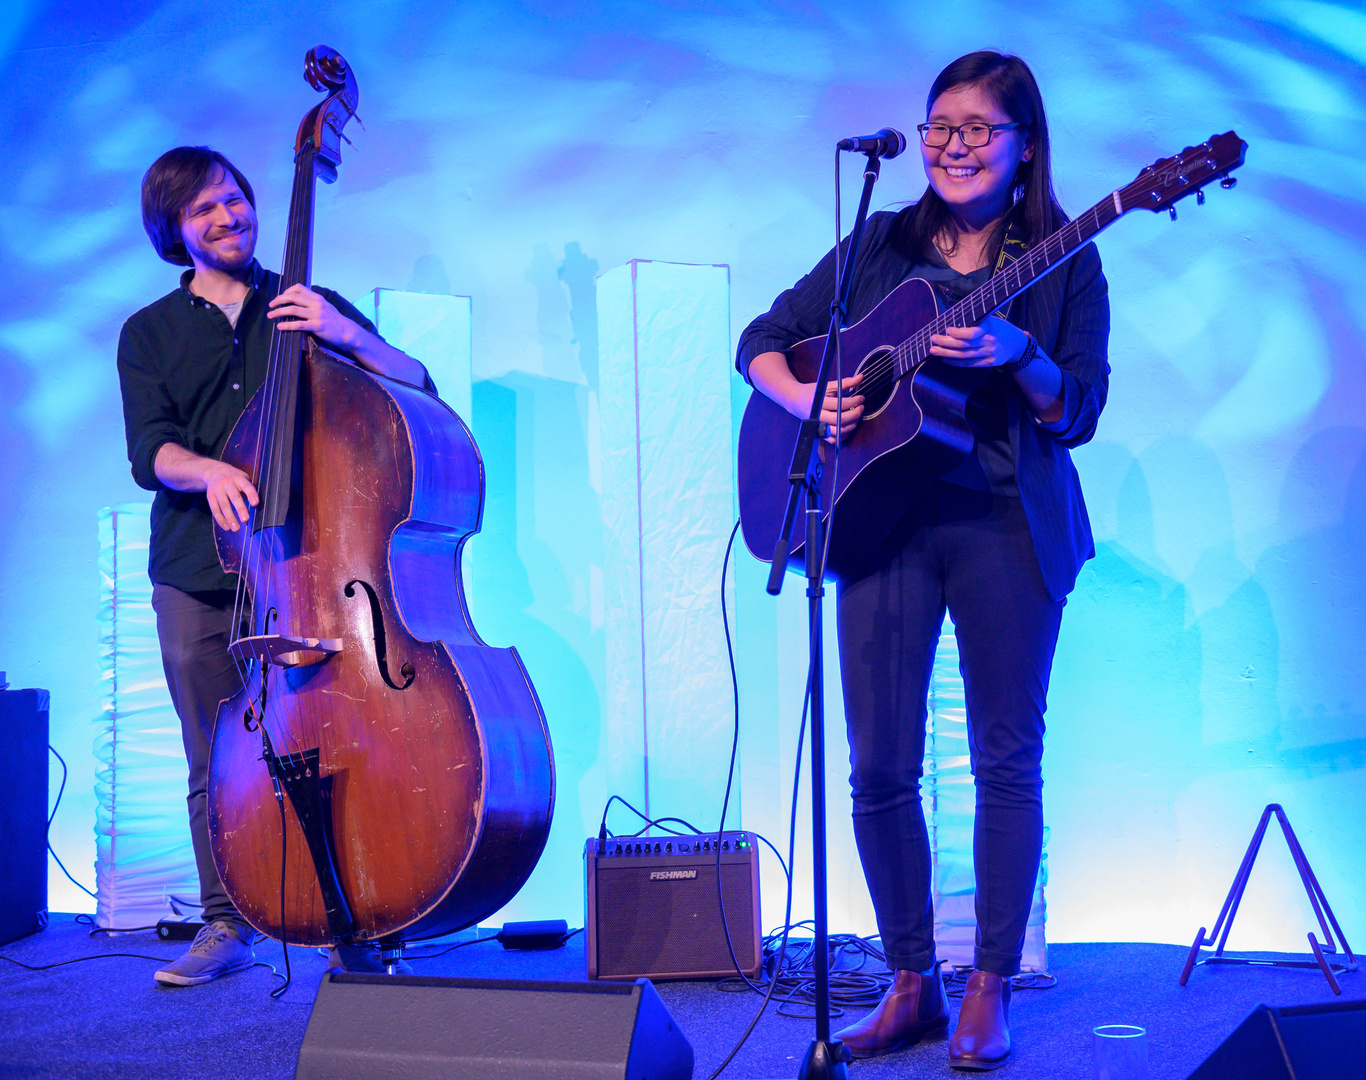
column 377, row 621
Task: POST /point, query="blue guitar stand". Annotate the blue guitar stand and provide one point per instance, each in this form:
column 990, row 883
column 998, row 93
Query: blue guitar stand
column 1319, row 902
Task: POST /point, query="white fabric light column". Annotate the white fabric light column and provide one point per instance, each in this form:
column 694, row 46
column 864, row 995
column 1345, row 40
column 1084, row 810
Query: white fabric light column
column 668, row 504
column 142, row 829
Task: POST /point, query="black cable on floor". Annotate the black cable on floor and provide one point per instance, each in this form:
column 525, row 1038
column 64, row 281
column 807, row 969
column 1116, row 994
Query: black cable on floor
column 693, row 830
column 51, row 817
column 279, row 991
column 793, row 973
column 82, row 959
column 128, row 955
column 86, row 920
column 956, row 980
column 730, row 772
column 791, row 855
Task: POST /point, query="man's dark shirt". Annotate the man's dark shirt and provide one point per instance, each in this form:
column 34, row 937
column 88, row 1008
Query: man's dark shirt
column 186, row 376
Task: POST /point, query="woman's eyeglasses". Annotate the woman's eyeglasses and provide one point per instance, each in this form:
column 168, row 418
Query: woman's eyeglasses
column 975, row 134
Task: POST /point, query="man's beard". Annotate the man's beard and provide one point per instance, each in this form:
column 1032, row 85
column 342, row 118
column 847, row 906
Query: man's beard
column 213, row 258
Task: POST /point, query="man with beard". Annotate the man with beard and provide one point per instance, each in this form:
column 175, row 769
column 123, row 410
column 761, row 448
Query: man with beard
column 188, row 365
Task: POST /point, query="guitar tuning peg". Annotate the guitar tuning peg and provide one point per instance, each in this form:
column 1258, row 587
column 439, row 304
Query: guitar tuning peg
column 1172, row 211
column 1228, row 182
column 1200, row 197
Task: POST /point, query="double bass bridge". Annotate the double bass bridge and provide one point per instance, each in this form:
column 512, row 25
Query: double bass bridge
column 284, row 650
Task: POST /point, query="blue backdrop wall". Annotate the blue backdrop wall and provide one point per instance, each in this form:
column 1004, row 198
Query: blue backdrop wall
column 1211, row 658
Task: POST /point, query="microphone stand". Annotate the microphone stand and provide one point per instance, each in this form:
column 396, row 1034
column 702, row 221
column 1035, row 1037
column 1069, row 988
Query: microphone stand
column 825, row 1058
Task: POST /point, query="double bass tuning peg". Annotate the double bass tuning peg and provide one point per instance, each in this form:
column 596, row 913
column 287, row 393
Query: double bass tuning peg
column 1172, row 211
column 1200, row 197
column 1228, row 182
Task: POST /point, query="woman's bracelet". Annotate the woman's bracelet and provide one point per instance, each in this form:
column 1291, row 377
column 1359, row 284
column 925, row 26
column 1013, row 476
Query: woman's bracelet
column 1030, row 354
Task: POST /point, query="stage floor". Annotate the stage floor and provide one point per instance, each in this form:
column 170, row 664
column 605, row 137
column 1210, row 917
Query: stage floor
column 109, row 1019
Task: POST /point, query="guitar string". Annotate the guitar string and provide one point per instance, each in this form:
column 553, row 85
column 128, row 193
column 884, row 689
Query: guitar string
column 898, row 361
column 911, row 353
column 905, row 357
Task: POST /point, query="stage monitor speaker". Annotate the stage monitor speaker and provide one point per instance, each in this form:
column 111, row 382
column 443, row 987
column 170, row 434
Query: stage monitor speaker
column 1299, row 1042
column 368, row 1027
column 651, row 907
column 23, row 813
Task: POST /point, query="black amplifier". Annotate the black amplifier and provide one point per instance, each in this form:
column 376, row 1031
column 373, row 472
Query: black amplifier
column 651, row 907
column 23, row 812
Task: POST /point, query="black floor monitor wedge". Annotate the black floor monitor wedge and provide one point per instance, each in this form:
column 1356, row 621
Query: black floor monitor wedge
column 1301, row 1042
column 365, row 1027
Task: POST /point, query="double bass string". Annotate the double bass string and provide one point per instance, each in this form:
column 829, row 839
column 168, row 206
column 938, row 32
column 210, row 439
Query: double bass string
column 274, row 465
column 291, row 343
column 258, row 553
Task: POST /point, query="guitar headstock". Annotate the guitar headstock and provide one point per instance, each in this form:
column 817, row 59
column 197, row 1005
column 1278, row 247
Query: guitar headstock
column 1163, row 182
column 328, row 72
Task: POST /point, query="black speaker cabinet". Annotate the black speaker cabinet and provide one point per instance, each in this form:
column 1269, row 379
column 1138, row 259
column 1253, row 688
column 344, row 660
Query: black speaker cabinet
column 23, row 813
column 1300, row 1042
column 652, row 908
column 381, row 1027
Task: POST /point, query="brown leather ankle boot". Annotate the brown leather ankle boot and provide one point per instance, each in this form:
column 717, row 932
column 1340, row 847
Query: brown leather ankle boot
column 982, row 1038
column 911, row 1008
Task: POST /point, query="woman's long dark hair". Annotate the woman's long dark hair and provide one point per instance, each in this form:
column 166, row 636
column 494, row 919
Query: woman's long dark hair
column 1010, row 83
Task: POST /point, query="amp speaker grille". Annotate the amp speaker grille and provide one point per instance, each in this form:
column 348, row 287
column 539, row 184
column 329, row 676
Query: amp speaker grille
column 657, row 915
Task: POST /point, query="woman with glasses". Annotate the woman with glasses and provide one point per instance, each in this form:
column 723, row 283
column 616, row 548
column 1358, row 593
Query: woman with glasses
column 998, row 541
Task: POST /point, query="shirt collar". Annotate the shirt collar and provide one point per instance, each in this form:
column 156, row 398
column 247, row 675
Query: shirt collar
column 256, row 277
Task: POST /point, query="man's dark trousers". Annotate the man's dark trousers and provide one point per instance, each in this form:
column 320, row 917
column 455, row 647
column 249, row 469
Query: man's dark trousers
column 195, row 630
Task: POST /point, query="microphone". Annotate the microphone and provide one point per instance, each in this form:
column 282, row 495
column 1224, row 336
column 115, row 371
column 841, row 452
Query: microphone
column 886, row 143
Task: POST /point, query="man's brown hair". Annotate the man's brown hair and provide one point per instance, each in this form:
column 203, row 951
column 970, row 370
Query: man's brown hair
column 170, row 185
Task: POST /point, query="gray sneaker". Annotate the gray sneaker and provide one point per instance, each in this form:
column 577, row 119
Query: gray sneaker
column 217, row 950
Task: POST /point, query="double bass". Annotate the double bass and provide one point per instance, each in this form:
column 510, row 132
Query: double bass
column 383, row 774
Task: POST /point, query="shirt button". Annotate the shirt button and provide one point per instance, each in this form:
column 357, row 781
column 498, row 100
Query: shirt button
column 235, row 386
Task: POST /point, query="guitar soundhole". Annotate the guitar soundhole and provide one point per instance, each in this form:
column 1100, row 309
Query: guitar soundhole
column 879, row 382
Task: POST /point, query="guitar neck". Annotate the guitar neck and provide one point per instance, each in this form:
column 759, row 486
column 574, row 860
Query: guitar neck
column 1010, row 282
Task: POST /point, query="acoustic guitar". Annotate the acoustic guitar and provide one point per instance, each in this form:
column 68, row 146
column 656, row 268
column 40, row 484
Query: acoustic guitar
column 913, row 423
